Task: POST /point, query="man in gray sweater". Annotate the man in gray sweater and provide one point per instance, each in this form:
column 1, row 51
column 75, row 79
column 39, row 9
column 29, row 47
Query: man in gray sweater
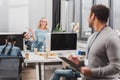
column 103, row 48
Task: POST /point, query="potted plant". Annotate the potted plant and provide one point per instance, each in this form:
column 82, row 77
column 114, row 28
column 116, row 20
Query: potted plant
column 58, row 28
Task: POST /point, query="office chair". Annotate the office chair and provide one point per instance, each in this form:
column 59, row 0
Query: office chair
column 10, row 68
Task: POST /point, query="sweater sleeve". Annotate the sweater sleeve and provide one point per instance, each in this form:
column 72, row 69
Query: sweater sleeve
column 112, row 47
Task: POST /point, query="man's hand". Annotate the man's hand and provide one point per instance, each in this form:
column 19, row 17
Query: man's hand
column 31, row 30
column 74, row 59
column 85, row 71
column 26, row 36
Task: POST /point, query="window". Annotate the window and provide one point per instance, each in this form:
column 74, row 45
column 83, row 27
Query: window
column 104, row 2
column 116, row 15
column 85, row 31
column 69, row 14
column 81, row 9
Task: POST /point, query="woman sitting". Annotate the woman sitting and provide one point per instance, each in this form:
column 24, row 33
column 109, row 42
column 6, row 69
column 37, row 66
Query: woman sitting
column 9, row 49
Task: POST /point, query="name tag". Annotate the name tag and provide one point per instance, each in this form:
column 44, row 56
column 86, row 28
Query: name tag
column 86, row 62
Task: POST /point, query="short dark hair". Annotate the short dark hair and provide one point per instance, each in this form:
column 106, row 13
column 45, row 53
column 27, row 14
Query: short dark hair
column 101, row 12
column 23, row 34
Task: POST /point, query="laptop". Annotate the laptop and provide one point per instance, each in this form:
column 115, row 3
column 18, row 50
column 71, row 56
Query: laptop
column 72, row 64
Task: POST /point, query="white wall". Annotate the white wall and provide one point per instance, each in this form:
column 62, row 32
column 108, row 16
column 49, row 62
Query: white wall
column 48, row 12
column 3, row 16
column 38, row 9
column 18, row 15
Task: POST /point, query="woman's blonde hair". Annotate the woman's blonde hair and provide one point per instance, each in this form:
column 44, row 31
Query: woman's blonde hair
column 39, row 25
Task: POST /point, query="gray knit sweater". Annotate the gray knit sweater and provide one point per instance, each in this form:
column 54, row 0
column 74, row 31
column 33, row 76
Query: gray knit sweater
column 104, row 55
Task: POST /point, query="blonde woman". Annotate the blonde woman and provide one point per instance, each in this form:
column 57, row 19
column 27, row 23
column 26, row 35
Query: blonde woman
column 39, row 34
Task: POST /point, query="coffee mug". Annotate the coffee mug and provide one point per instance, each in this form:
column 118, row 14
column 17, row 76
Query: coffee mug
column 35, row 50
column 45, row 55
column 26, row 55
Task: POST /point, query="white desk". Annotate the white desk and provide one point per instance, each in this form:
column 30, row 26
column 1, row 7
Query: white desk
column 40, row 59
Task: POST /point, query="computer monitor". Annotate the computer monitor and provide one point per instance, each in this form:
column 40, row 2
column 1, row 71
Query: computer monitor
column 61, row 41
column 19, row 39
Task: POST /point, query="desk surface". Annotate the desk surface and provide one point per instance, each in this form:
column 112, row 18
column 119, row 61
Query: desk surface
column 40, row 58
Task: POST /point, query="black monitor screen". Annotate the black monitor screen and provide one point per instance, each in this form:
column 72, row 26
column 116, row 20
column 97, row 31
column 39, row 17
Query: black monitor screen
column 63, row 41
column 19, row 40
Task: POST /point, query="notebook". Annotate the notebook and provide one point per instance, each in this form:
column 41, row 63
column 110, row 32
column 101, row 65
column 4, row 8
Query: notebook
column 72, row 64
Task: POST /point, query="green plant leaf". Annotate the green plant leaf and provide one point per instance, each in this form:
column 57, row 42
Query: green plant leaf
column 58, row 28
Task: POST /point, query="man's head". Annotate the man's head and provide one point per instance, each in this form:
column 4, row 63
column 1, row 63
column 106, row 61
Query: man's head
column 99, row 13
